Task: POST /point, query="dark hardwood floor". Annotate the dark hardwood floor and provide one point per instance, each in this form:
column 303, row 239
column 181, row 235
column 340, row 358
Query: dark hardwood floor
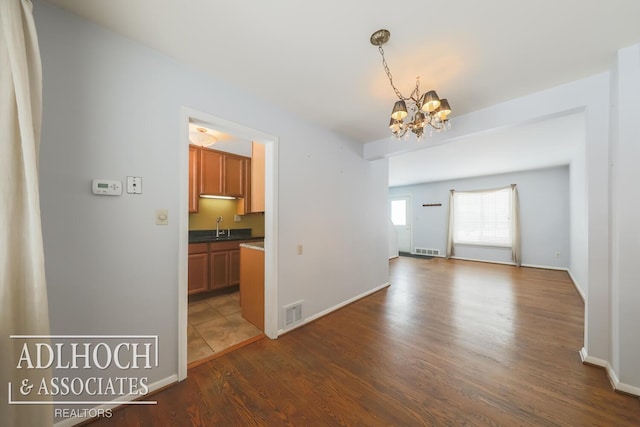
column 449, row 343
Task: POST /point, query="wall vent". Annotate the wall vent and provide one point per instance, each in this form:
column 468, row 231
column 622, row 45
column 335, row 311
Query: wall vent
column 427, row 252
column 292, row 313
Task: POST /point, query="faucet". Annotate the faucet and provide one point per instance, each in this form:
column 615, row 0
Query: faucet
column 218, row 221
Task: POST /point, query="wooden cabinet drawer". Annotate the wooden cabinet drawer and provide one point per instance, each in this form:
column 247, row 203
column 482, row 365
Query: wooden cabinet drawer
column 198, row 248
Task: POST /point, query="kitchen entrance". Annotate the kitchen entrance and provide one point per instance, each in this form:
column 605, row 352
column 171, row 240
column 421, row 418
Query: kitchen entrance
column 230, row 228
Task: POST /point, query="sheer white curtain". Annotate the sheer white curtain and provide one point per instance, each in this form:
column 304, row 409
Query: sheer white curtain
column 515, row 226
column 504, row 231
column 450, row 226
column 23, row 293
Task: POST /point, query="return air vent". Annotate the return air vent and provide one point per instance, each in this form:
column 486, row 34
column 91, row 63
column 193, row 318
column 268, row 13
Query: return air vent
column 427, row 252
column 292, row 313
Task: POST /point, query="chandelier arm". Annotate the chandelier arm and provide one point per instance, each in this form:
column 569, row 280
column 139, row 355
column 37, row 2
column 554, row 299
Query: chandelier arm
column 386, row 70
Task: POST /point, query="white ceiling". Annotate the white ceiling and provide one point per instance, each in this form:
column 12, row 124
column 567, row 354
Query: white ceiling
column 537, row 145
column 315, row 59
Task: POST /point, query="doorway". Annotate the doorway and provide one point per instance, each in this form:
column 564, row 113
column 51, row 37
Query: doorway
column 270, row 224
column 400, row 213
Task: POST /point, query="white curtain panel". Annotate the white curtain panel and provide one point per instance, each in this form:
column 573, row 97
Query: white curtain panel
column 23, row 292
column 515, row 226
column 515, row 223
column 450, row 226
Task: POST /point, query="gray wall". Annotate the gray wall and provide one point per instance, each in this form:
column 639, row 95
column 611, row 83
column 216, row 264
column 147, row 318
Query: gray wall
column 544, row 215
column 112, row 109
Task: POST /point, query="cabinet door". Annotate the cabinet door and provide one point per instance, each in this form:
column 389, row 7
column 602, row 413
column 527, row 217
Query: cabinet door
column 219, row 269
column 234, row 267
column 210, row 172
column 243, row 206
column 198, row 273
column 194, row 178
column 233, row 176
column 257, row 176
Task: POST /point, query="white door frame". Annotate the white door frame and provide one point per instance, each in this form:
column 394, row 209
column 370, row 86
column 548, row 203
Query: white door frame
column 409, row 198
column 270, row 224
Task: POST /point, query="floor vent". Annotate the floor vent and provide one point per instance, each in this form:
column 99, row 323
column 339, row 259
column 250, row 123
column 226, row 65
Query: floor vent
column 427, row 252
column 293, row 313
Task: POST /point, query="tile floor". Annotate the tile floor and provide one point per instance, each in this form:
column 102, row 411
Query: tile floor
column 216, row 323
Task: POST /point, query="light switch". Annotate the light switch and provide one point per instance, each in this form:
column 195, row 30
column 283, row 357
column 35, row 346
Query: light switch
column 134, row 185
column 299, row 249
column 162, row 216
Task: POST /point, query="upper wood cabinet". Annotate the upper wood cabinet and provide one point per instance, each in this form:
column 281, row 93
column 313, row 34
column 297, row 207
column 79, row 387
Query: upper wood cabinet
column 211, row 172
column 244, row 204
column 221, row 174
column 257, row 177
column 253, row 201
column 234, row 179
column 194, row 178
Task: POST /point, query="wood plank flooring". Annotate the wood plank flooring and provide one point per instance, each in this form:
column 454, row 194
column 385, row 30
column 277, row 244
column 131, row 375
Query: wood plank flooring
column 448, row 343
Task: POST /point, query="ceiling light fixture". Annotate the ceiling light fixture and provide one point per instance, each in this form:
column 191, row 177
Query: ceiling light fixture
column 200, row 136
column 422, row 110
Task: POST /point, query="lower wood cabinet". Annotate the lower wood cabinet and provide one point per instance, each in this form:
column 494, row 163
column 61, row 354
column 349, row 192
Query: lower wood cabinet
column 219, row 269
column 198, row 268
column 214, row 265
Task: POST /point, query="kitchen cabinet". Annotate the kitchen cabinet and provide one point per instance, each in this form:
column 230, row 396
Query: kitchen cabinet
column 224, row 264
column 194, row 178
column 244, row 204
column 219, row 269
column 214, row 265
column 253, row 201
column 211, row 172
column 222, row 174
column 198, row 268
column 257, row 177
column 252, row 284
column 233, row 183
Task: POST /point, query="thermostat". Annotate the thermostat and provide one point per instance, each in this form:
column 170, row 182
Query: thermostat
column 106, row 187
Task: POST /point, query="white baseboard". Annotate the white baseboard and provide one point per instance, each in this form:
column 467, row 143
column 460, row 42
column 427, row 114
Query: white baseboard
column 613, row 378
column 334, row 308
column 578, row 288
column 544, row 267
column 119, row 401
column 482, row 260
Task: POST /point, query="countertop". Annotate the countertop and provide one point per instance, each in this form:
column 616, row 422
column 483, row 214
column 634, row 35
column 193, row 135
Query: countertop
column 258, row 246
column 205, row 236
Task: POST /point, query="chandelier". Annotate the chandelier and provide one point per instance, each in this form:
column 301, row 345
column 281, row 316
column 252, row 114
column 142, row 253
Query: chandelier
column 422, row 110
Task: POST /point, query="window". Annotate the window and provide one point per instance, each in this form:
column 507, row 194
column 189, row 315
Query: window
column 482, row 217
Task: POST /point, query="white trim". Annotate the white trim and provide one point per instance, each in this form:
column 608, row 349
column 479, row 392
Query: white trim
column 119, row 401
column 270, row 221
column 482, row 260
column 544, row 267
column 578, row 288
column 613, row 378
column 183, row 241
column 335, row 307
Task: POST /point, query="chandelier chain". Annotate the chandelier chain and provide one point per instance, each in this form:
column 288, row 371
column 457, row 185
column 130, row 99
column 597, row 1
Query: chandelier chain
column 386, row 70
column 422, row 111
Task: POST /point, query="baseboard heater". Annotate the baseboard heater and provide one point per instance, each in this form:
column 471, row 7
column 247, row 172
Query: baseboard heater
column 427, row 252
